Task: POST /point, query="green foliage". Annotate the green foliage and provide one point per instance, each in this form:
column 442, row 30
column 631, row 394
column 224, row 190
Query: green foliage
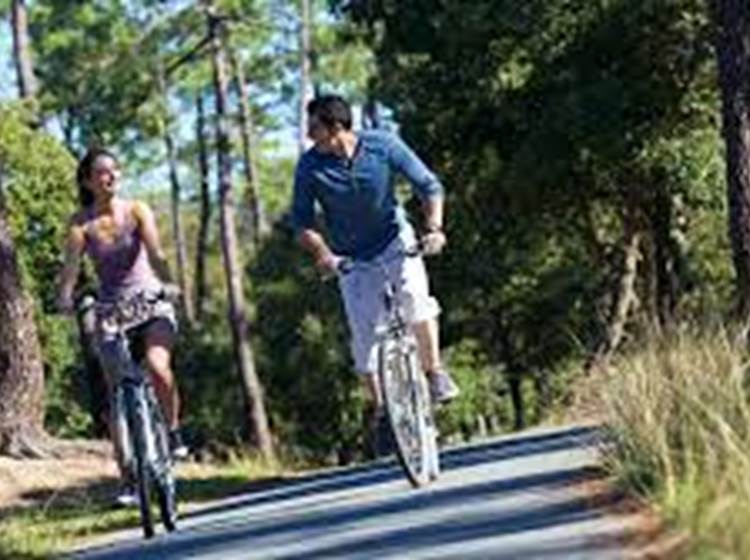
column 39, row 193
column 551, row 123
column 482, row 405
column 678, row 408
column 548, row 122
column 303, row 354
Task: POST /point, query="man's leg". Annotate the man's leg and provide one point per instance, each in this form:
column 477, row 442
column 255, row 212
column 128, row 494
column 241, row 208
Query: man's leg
column 428, row 342
column 371, row 388
column 422, row 310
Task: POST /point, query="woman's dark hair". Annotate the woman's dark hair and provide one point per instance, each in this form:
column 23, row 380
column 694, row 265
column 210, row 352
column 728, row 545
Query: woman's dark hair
column 331, row 110
column 85, row 165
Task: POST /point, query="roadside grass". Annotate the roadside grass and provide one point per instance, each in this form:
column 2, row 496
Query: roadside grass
column 679, row 416
column 74, row 517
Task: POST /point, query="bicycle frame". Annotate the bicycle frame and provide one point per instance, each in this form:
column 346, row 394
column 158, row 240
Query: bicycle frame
column 140, row 436
column 403, row 385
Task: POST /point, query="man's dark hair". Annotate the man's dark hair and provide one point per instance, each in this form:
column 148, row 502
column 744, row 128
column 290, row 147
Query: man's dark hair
column 331, row 110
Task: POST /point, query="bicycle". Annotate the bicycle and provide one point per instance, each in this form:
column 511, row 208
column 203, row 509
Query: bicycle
column 403, row 384
column 141, row 436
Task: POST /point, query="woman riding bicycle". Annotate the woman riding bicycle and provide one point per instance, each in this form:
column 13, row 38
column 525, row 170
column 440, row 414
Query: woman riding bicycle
column 121, row 238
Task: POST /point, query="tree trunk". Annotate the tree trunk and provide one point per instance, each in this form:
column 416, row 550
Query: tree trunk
column 514, row 373
column 666, row 258
column 205, row 212
column 371, row 114
column 178, row 233
column 258, row 220
column 253, row 389
column 305, row 64
column 732, row 19
column 27, row 86
column 515, row 382
column 624, row 296
column 21, row 371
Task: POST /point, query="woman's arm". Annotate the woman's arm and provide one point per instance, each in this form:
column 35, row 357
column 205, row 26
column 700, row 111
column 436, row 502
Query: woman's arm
column 150, row 235
column 74, row 245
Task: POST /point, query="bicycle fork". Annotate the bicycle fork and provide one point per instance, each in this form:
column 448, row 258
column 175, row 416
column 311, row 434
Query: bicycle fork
column 133, row 420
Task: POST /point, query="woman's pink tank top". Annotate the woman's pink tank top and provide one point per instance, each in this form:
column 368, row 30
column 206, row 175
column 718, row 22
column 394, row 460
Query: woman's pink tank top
column 122, row 265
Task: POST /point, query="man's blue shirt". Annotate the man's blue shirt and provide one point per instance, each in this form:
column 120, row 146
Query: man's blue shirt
column 357, row 196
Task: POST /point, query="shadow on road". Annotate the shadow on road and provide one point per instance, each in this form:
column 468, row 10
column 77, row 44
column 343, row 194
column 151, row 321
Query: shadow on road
column 382, row 471
column 315, row 507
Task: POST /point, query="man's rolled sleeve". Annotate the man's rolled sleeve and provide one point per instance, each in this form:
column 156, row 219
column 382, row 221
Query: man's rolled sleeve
column 424, row 181
column 303, row 201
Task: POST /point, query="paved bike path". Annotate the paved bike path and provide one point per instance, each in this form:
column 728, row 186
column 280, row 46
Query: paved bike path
column 519, row 496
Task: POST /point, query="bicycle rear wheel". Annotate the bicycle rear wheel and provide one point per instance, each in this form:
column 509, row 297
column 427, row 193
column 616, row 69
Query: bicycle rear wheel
column 137, row 412
column 407, row 406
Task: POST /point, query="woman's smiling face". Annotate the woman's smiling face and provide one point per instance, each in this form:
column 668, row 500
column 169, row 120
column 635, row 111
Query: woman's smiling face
column 104, row 178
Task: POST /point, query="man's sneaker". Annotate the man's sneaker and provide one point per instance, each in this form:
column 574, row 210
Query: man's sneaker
column 176, row 446
column 127, row 496
column 442, row 387
column 379, row 436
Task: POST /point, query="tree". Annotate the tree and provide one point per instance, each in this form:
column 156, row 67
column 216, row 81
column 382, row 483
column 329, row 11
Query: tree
column 557, row 127
column 201, row 285
column 27, row 85
column 732, row 44
column 178, row 234
column 257, row 419
column 21, row 372
column 305, row 69
column 258, row 219
column 35, row 201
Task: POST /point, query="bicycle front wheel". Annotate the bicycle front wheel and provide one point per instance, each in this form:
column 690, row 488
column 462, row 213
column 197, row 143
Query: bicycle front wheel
column 407, row 406
column 137, row 411
column 163, row 475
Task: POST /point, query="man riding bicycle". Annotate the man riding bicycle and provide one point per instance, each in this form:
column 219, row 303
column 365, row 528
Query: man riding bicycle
column 121, row 238
column 352, row 177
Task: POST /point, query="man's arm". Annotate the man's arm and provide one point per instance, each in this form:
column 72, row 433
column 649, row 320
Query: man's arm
column 150, row 234
column 313, row 243
column 424, row 182
column 303, row 218
column 428, row 188
column 433, row 213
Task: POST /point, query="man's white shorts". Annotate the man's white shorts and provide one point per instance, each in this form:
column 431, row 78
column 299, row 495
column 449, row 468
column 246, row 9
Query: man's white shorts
column 362, row 291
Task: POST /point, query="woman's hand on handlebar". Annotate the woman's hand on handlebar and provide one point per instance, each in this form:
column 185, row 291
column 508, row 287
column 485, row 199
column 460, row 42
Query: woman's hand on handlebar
column 171, row 292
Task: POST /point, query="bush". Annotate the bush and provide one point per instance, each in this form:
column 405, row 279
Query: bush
column 38, row 191
column 679, row 412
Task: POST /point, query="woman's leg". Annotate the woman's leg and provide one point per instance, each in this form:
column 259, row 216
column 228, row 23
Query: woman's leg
column 158, row 341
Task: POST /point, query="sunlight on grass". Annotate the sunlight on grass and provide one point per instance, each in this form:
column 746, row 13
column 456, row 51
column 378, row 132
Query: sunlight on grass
column 66, row 522
column 680, row 417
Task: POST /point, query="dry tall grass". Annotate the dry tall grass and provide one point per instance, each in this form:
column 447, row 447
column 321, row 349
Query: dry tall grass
column 680, row 415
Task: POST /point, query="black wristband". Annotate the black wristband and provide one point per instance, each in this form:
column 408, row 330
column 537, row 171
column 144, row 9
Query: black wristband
column 434, row 229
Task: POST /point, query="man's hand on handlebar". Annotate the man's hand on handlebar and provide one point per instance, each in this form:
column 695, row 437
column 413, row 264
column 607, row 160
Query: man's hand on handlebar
column 328, row 264
column 433, row 242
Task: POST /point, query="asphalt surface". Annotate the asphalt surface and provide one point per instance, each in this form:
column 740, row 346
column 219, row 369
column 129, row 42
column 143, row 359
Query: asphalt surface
column 518, row 496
